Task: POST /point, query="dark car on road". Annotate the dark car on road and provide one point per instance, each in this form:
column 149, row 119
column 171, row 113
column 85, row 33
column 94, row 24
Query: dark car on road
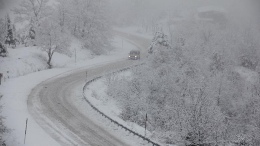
column 134, row 55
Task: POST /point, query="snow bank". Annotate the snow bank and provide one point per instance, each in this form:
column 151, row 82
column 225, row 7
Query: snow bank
column 22, row 61
column 25, row 60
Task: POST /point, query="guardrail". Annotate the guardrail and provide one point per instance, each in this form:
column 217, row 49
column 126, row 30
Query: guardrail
column 110, row 119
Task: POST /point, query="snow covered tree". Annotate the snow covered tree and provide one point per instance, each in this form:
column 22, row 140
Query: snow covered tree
column 159, row 39
column 52, row 40
column 62, row 13
column 88, row 20
column 3, row 50
column 2, row 29
column 3, row 53
column 9, row 39
column 31, row 33
column 31, row 36
column 202, row 90
column 32, row 12
column 3, row 128
column 175, row 94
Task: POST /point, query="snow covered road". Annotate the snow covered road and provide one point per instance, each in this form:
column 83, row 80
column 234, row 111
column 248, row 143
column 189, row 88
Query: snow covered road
column 51, row 105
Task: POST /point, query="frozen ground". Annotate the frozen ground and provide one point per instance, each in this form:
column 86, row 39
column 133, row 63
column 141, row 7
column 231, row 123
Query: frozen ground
column 16, row 89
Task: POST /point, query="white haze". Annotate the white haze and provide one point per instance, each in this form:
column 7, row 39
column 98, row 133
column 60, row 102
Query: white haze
column 239, row 11
column 5, row 6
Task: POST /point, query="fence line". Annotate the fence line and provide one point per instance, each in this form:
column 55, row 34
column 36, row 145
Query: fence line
column 111, row 120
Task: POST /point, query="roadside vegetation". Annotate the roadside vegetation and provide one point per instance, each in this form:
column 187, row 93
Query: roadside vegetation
column 3, row 129
column 199, row 86
column 3, row 53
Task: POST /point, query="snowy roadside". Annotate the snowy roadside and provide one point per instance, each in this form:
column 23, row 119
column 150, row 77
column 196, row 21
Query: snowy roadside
column 16, row 90
column 120, row 133
column 96, row 92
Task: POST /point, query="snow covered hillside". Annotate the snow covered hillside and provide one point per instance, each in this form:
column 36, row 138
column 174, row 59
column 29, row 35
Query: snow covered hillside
column 25, row 60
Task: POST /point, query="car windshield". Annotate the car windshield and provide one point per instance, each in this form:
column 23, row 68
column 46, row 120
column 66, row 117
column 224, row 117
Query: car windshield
column 134, row 52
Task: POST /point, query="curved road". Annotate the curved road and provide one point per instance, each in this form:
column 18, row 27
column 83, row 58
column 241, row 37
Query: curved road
column 50, row 105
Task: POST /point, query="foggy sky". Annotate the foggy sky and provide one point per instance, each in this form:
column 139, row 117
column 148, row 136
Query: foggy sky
column 5, row 6
column 242, row 10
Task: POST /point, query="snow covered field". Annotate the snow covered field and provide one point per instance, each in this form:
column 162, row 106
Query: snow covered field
column 16, row 89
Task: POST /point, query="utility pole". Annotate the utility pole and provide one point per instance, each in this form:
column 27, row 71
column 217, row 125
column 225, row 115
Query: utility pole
column 25, row 130
column 145, row 125
column 86, row 76
column 75, row 56
column 1, row 75
column 122, row 44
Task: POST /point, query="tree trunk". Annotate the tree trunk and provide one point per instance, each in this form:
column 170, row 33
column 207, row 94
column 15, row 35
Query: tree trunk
column 49, row 63
column 219, row 92
column 49, row 59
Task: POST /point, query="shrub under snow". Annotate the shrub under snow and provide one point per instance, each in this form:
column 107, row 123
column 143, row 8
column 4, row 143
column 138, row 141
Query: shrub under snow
column 193, row 88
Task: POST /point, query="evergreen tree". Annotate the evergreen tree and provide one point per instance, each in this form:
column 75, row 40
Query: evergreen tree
column 32, row 36
column 14, row 32
column 9, row 37
column 3, row 51
column 2, row 30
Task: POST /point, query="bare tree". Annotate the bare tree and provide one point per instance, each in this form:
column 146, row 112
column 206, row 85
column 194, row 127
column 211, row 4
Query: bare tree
column 51, row 39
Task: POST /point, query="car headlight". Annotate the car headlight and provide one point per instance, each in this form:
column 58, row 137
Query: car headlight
column 135, row 56
column 129, row 56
